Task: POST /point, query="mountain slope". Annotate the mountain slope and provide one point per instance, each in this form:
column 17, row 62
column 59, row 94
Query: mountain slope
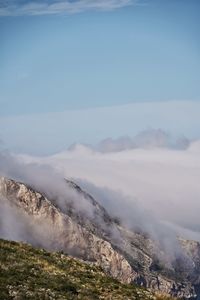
column 92, row 235
column 29, row 273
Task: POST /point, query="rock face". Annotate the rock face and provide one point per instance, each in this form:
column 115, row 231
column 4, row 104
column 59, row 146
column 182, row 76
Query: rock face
column 63, row 232
column 94, row 236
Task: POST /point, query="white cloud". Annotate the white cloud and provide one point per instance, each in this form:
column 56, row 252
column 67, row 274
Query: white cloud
column 14, row 8
column 144, row 187
column 153, row 189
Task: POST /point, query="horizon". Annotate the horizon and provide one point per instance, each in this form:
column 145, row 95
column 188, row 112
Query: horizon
column 83, row 59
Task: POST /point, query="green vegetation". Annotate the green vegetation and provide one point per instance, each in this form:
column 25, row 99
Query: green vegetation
column 29, row 273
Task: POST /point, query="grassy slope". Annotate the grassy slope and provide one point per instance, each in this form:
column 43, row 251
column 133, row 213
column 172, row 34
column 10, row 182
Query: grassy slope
column 29, row 273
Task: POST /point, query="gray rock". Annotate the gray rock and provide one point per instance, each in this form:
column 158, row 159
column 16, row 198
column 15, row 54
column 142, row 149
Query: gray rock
column 97, row 238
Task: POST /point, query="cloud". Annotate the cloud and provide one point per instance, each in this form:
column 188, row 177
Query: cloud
column 160, row 181
column 149, row 138
column 142, row 186
column 155, row 190
column 45, row 179
column 19, row 8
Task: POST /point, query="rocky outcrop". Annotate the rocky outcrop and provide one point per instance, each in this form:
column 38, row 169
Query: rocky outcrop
column 60, row 232
column 183, row 290
column 96, row 237
column 158, row 274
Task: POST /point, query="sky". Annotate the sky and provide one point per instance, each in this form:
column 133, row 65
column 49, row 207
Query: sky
column 65, row 63
column 86, row 70
column 48, row 133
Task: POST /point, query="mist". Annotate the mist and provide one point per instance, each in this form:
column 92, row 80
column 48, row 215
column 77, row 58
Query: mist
column 151, row 189
column 159, row 182
column 16, row 225
column 46, row 180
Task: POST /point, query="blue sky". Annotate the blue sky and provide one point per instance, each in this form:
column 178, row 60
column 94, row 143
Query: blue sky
column 57, row 55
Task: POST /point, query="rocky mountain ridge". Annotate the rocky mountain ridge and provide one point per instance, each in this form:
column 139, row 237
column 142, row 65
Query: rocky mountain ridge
column 96, row 237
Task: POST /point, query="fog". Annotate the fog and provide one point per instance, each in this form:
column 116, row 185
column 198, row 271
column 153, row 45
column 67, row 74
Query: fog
column 161, row 181
column 45, row 179
column 154, row 189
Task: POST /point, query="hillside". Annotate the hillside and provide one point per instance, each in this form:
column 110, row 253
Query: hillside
column 73, row 222
column 30, row 273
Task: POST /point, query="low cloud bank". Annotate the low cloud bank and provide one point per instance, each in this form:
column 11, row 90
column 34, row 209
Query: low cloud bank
column 153, row 189
column 162, row 181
